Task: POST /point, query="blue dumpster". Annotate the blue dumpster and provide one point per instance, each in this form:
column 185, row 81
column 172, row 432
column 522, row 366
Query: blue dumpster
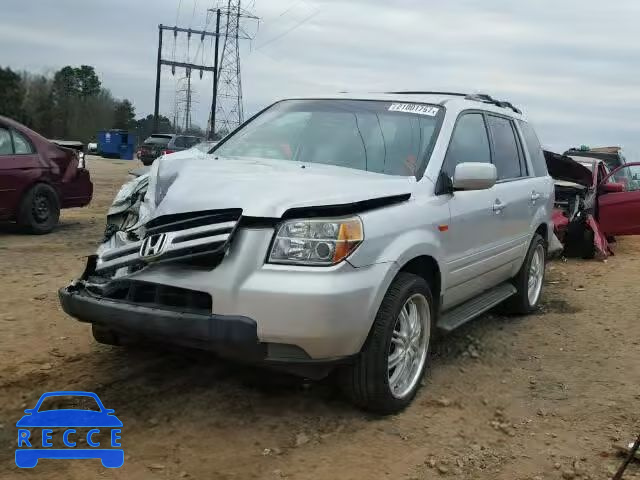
column 116, row 144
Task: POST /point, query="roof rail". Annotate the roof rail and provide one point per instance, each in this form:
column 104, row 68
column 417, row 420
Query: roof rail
column 485, row 98
column 410, row 92
column 477, row 97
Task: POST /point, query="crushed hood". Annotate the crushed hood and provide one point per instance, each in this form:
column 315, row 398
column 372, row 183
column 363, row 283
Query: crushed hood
column 265, row 188
column 564, row 168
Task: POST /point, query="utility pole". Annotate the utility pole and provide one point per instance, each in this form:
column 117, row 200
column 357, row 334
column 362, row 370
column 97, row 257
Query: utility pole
column 187, row 115
column 227, row 110
column 189, row 67
column 214, row 99
column 157, row 105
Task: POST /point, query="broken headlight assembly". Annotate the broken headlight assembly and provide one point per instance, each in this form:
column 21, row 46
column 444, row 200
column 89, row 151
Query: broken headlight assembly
column 316, row 242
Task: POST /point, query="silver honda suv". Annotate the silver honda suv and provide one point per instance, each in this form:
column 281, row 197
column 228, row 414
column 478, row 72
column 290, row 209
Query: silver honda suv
column 331, row 234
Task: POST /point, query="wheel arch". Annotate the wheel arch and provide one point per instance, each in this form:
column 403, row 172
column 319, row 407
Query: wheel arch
column 427, row 267
column 543, row 231
column 423, row 265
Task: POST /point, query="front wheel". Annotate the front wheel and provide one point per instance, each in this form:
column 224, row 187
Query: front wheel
column 386, row 376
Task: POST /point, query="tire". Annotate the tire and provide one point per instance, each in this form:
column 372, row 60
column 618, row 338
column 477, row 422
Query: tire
column 522, row 303
column 369, row 382
column 39, row 209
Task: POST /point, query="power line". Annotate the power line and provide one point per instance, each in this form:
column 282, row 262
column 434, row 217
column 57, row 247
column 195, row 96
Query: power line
column 286, row 32
column 193, row 13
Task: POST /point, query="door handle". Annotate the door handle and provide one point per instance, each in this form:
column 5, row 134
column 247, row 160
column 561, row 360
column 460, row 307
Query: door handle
column 498, row 207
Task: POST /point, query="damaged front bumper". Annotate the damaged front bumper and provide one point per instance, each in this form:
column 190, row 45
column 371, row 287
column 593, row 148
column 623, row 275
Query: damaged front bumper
column 232, row 336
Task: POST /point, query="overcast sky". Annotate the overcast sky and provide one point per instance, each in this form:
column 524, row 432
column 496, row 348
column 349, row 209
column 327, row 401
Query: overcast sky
column 572, row 65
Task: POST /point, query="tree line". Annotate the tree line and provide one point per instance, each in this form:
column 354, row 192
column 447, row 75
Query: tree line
column 71, row 104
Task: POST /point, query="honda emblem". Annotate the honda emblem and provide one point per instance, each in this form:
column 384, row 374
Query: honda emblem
column 153, row 246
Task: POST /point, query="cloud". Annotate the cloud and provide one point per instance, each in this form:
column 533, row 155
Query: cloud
column 570, row 64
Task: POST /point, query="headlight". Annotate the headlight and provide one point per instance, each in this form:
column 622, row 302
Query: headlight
column 316, row 241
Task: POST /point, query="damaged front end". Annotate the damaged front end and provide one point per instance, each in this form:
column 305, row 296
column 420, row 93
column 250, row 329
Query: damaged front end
column 574, row 212
column 127, row 215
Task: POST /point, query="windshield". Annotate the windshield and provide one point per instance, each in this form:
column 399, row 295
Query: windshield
column 384, row 137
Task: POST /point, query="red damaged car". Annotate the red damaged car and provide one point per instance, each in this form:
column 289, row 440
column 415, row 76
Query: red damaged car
column 38, row 178
column 593, row 204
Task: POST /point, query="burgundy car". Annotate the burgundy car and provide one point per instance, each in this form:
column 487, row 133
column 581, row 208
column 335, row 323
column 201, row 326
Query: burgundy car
column 593, row 205
column 38, row 178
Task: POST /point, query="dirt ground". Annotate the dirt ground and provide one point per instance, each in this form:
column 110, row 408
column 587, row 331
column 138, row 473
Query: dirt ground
column 541, row 397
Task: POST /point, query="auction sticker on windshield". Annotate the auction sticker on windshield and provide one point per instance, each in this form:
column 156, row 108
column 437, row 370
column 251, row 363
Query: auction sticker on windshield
column 414, row 108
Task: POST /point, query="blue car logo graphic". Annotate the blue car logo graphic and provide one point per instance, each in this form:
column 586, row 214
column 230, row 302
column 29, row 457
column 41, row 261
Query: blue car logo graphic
column 32, row 447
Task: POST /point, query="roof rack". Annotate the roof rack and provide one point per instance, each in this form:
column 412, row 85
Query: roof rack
column 413, row 92
column 478, row 97
column 485, row 98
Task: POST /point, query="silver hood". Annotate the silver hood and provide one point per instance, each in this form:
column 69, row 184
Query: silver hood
column 263, row 188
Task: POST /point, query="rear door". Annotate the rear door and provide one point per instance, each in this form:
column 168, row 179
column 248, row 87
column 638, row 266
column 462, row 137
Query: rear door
column 19, row 167
column 515, row 189
column 619, row 212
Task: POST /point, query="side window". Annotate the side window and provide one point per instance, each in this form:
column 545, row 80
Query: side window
column 6, row 148
column 506, row 155
column 179, row 142
column 21, row 144
column 534, row 148
column 469, row 143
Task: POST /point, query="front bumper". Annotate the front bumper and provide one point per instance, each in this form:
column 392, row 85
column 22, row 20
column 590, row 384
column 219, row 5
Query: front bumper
column 306, row 314
column 230, row 335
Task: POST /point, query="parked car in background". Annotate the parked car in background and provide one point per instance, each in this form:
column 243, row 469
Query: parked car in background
column 38, row 178
column 74, row 145
column 613, row 157
column 92, row 147
column 162, row 144
column 593, row 204
column 333, row 233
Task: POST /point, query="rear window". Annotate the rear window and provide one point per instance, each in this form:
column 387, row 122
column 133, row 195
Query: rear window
column 158, row 140
column 506, row 155
column 534, row 148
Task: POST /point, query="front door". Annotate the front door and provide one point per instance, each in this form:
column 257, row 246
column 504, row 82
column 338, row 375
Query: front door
column 473, row 245
column 619, row 212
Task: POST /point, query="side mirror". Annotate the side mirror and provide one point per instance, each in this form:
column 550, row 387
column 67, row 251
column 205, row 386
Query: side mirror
column 613, row 187
column 474, row 176
column 29, row 410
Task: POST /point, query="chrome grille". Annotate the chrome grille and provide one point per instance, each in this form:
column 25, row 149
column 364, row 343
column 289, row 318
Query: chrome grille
column 177, row 237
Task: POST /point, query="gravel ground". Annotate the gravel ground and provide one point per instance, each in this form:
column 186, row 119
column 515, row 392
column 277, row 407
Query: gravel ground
column 540, row 397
